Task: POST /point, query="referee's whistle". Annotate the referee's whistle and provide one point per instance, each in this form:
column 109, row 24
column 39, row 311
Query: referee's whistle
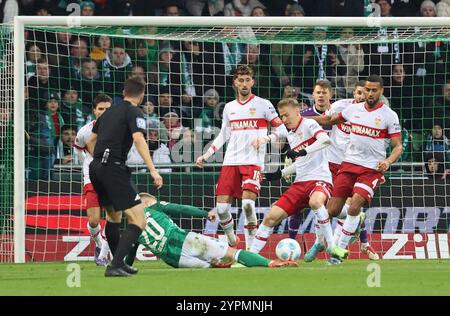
column 105, row 156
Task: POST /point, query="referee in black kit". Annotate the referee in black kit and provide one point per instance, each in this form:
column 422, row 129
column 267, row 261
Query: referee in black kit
column 112, row 137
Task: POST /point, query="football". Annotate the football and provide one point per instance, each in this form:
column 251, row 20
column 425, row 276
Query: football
column 288, row 249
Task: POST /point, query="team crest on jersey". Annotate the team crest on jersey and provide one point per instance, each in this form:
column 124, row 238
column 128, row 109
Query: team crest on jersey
column 140, row 123
column 252, row 111
column 378, row 121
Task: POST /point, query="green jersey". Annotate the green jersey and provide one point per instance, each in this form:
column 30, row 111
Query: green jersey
column 161, row 235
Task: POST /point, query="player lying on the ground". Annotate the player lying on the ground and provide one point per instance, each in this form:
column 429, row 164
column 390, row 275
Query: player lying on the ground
column 181, row 249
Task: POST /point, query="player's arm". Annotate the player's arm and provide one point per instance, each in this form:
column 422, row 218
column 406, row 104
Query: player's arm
column 79, row 147
column 328, row 120
column 322, row 141
column 180, row 209
column 397, row 150
column 142, row 148
column 279, row 131
column 90, row 143
column 218, row 142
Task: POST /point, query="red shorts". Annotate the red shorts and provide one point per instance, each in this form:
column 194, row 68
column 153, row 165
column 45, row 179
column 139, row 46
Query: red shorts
column 334, row 168
column 90, row 197
column 353, row 178
column 234, row 179
column 297, row 196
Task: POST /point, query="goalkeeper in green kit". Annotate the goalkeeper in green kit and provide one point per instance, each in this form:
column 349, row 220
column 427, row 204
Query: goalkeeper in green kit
column 181, row 249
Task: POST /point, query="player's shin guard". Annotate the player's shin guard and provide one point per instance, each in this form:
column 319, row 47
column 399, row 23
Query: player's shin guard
column 95, row 234
column 251, row 222
column 348, row 230
column 323, row 220
column 226, row 222
column 262, row 235
column 250, row 259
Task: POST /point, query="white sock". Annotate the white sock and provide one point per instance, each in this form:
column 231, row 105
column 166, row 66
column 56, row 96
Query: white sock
column 343, row 213
column 250, row 221
column 226, row 221
column 104, row 250
column 323, row 220
column 365, row 244
column 348, row 230
column 95, row 234
column 338, row 230
column 319, row 234
column 261, row 237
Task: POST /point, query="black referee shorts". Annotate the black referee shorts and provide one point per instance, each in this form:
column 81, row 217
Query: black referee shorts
column 112, row 182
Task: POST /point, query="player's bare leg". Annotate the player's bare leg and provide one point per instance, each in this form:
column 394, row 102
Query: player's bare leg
column 250, row 259
column 101, row 246
column 273, row 218
column 352, row 221
column 225, row 218
column 251, row 222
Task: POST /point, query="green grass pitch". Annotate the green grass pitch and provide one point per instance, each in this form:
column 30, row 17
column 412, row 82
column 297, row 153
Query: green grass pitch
column 415, row 277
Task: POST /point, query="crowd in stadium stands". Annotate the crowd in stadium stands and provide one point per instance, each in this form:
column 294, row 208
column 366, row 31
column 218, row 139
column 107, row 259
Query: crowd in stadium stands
column 188, row 83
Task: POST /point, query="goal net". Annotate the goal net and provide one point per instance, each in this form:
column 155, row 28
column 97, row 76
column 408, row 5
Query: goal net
column 188, row 70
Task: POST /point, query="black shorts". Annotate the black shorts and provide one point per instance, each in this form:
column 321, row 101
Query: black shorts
column 113, row 184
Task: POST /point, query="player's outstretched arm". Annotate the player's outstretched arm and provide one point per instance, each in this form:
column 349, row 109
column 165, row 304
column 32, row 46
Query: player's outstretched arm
column 218, row 142
column 322, row 141
column 397, row 150
column 328, row 120
column 142, row 148
column 180, row 209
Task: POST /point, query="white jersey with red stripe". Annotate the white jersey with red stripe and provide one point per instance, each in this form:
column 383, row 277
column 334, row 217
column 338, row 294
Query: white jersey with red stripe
column 340, row 133
column 313, row 166
column 241, row 124
column 370, row 134
column 80, row 144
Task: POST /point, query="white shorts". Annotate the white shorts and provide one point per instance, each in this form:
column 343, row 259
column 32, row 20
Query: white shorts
column 198, row 251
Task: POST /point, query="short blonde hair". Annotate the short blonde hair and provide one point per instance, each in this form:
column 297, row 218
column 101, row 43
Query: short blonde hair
column 288, row 102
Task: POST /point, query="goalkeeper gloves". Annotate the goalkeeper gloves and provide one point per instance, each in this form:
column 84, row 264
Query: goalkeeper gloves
column 273, row 176
column 294, row 153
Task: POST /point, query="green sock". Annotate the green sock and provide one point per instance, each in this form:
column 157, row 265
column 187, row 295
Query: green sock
column 250, row 259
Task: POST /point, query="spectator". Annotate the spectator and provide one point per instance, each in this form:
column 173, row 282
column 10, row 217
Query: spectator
column 171, row 129
column 166, row 103
column 207, row 120
column 258, row 11
column 241, row 7
column 349, row 62
column 55, row 120
column 87, row 8
column 33, row 55
column 435, row 166
column 192, row 72
column 443, row 8
column 65, row 154
column 8, row 10
column 72, row 109
column 428, row 9
column 183, row 150
column 101, row 49
column 159, row 151
column 148, row 108
column 294, row 9
column 437, row 142
column 385, row 7
column 116, row 68
column 78, row 52
column 39, row 86
column 263, row 87
column 89, row 85
column 41, row 151
column 205, row 7
column 172, row 10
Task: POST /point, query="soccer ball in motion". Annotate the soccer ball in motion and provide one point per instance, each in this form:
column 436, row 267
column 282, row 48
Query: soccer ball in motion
column 288, row 249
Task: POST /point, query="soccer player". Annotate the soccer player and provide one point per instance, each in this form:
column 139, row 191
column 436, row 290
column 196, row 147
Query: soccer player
column 90, row 198
column 322, row 94
column 181, row 249
column 373, row 126
column 312, row 185
column 244, row 126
